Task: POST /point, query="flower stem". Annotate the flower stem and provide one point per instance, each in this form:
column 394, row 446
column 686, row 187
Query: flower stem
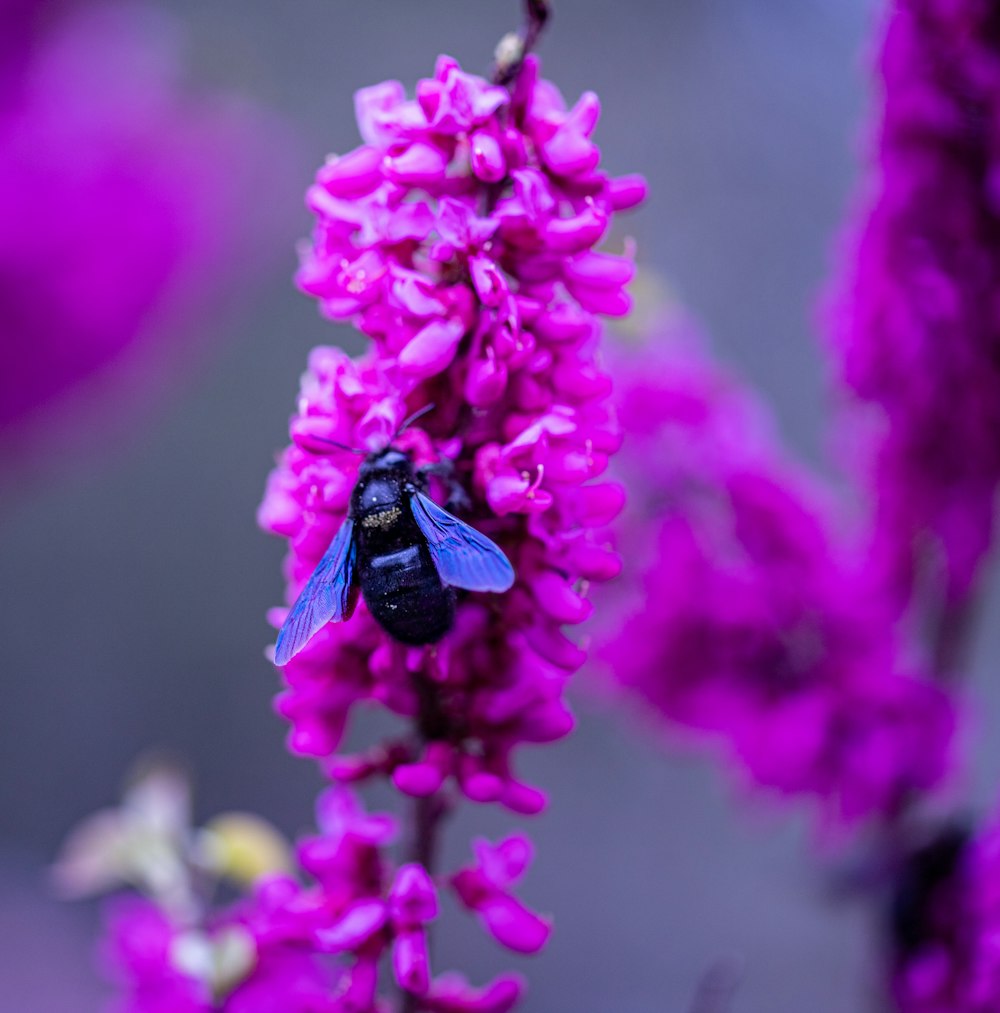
column 427, row 817
column 427, row 814
column 538, row 13
column 513, row 49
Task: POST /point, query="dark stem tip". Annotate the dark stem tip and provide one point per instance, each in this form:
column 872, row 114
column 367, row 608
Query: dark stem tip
column 514, row 48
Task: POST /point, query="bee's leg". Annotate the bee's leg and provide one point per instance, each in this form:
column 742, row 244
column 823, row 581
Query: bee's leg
column 458, row 498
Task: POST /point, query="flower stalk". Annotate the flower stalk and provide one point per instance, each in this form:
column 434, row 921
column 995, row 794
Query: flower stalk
column 512, row 49
column 459, row 238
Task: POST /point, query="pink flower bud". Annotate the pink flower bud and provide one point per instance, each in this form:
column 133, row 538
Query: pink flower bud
column 411, row 961
column 432, row 348
column 452, row 994
column 513, row 925
column 418, row 164
column 487, row 158
column 486, row 381
column 556, row 598
column 358, row 924
column 568, row 152
column 352, row 175
column 626, row 192
column 373, row 107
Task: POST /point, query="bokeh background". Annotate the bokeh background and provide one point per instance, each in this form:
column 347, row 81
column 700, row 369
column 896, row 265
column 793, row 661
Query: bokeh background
column 135, row 581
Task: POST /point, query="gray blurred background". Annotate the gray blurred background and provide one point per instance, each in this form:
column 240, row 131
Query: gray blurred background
column 745, row 117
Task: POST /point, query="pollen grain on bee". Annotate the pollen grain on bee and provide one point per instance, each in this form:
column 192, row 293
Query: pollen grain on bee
column 383, row 519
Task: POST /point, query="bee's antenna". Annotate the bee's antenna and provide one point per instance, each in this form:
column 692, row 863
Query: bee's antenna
column 336, row 443
column 418, row 414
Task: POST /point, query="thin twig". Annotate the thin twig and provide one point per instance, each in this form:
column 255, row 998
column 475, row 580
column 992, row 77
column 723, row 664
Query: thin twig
column 513, row 49
column 427, row 814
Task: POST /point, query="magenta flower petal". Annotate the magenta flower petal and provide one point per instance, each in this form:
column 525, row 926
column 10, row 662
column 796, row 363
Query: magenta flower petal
column 484, row 889
column 568, row 152
column 627, row 192
column 339, row 814
column 359, row 923
column 352, row 175
column 513, row 925
column 487, row 157
column 417, row 164
column 600, row 270
column 411, row 961
column 452, row 994
column 413, row 899
column 432, row 348
column 374, row 107
column 486, row 381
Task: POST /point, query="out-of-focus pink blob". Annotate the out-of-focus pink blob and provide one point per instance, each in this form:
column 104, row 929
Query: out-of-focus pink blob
column 914, row 321
column 752, row 624
column 129, row 206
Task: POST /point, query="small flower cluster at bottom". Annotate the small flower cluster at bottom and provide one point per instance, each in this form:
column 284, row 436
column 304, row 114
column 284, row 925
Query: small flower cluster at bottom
column 301, row 943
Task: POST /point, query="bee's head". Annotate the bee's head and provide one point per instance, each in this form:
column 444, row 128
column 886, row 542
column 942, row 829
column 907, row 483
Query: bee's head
column 388, row 459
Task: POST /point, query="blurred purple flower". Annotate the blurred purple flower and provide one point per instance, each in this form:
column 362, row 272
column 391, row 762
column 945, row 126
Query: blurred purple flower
column 451, row 993
column 165, row 966
column 305, row 943
column 137, row 950
column 751, row 624
column 916, row 323
column 128, row 206
column 412, row 905
column 459, row 239
column 485, row 889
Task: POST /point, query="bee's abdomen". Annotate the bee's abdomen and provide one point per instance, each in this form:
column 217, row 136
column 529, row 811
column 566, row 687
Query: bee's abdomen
column 404, row 593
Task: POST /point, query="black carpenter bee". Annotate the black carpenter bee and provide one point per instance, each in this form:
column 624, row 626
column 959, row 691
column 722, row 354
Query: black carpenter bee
column 403, row 552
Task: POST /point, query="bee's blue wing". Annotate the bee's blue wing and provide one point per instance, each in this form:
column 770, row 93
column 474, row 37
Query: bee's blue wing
column 327, row 597
column 463, row 556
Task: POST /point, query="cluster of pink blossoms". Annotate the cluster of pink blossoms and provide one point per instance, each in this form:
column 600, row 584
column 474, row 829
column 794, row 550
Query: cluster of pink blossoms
column 313, row 944
column 459, row 239
column 916, row 325
column 752, row 625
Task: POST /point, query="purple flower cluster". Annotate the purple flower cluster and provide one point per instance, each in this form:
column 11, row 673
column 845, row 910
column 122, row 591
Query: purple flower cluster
column 162, row 966
column 916, row 325
column 751, row 625
column 459, row 238
column 313, row 943
column 121, row 210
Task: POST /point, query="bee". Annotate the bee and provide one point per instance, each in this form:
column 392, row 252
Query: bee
column 403, row 552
